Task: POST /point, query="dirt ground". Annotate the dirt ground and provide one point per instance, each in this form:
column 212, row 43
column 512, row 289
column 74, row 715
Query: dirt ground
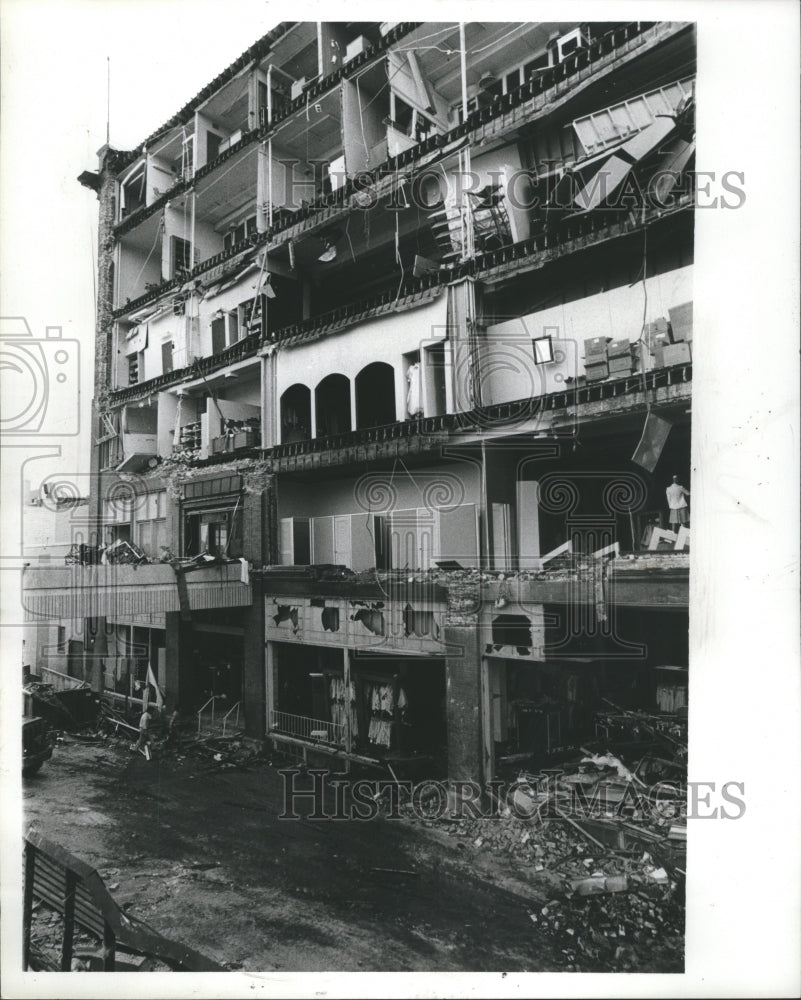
column 199, row 853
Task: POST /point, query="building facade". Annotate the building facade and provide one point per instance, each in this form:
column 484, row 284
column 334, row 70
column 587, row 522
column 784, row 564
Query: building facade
column 393, row 368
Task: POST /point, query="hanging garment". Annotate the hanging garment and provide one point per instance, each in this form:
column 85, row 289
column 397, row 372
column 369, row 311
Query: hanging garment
column 414, row 397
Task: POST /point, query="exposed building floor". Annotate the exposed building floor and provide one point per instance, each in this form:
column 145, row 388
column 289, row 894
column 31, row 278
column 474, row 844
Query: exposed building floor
column 199, row 854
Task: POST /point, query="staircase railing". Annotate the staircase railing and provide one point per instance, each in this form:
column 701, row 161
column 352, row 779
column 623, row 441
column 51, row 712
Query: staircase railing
column 202, row 709
column 231, row 710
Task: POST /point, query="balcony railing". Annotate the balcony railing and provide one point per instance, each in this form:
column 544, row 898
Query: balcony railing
column 574, row 235
column 488, row 417
column 546, row 86
column 304, row 728
column 310, row 93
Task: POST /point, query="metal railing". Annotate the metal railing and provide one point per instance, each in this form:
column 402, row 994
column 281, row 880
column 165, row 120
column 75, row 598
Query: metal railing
column 305, row 728
column 72, row 683
column 231, row 710
column 202, row 709
column 573, row 69
column 490, row 416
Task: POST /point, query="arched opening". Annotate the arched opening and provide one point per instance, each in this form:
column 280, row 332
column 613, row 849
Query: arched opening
column 375, row 395
column 332, row 405
column 296, row 414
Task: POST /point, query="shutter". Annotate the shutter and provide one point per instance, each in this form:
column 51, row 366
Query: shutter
column 218, row 335
column 458, row 534
column 166, row 357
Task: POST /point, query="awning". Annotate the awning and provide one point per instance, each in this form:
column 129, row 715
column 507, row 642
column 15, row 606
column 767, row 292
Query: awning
column 76, row 592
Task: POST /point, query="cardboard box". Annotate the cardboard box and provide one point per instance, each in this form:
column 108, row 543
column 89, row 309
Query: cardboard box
column 673, row 354
column 596, row 372
column 619, row 348
column 621, row 365
column 657, row 334
column 595, row 346
column 681, row 321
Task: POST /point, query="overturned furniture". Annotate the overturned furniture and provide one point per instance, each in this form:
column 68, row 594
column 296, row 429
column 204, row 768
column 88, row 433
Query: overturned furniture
column 74, row 889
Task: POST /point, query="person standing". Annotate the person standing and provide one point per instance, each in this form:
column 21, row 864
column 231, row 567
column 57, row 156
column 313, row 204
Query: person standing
column 679, row 512
column 142, row 744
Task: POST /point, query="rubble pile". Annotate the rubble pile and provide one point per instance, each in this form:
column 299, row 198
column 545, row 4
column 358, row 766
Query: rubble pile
column 629, row 931
column 601, row 845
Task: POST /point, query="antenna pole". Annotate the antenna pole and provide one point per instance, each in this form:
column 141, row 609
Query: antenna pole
column 108, row 99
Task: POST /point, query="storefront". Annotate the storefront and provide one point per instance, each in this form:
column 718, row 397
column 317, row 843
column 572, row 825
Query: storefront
column 385, row 705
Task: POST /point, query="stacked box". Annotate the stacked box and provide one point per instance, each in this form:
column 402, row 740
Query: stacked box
column 657, row 334
column 619, row 348
column 595, row 349
column 681, row 322
column 596, row 372
column 621, row 366
column 621, row 361
column 673, row 354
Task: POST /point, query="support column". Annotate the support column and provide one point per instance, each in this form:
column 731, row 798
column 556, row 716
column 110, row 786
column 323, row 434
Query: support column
column 346, row 685
column 178, row 665
column 269, row 683
column 254, row 690
column 463, row 697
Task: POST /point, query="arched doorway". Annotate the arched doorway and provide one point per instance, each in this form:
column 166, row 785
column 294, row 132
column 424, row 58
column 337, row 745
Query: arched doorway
column 296, row 414
column 375, row 395
column 332, row 405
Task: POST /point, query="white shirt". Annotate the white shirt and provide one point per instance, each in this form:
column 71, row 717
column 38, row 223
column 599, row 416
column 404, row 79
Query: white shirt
column 675, row 496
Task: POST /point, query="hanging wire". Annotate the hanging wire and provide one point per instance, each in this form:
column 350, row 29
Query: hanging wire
column 361, row 121
column 159, row 232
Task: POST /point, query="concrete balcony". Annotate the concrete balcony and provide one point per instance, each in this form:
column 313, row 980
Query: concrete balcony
column 76, row 592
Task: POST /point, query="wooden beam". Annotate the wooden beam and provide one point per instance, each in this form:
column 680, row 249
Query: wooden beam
column 421, row 84
column 109, row 947
column 70, row 886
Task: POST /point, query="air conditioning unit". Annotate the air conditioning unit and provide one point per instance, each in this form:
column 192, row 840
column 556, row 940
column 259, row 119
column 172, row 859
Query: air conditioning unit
column 566, row 44
column 355, row 48
column 297, row 88
column 387, row 26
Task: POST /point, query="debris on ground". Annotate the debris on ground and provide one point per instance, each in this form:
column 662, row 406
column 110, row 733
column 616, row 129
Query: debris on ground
column 596, row 841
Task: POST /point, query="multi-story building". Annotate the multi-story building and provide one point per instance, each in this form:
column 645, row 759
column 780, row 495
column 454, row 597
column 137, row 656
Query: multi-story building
column 394, row 322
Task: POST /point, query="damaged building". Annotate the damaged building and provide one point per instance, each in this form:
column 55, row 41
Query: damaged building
column 393, row 368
